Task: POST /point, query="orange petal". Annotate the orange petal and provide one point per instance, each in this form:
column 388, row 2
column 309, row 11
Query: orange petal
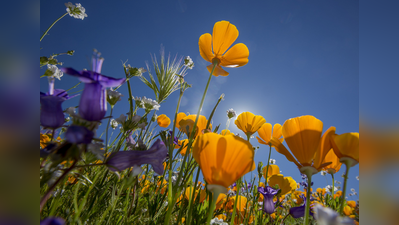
column 180, row 116
column 302, row 135
column 277, row 131
column 236, row 56
column 335, row 166
column 205, row 47
column 346, row 145
column 283, row 150
column 224, row 34
column 323, row 148
column 265, row 132
column 218, row 71
column 261, row 141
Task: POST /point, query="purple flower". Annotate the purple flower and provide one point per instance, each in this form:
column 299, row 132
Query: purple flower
column 93, row 102
column 79, row 135
column 52, row 221
column 175, row 139
column 155, row 156
column 268, row 193
column 299, row 211
column 51, row 114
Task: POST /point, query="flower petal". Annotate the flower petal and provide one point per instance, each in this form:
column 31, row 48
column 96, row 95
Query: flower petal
column 323, row 148
column 236, row 56
column 265, row 132
column 224, row 34
column 205, row 47
column 346, row 145
column 302, row 135
column 283, row 150
column 218, row 71
column 277, row 131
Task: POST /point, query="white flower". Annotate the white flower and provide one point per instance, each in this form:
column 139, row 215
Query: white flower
column 121, row 120
column 57, row 73
column 327, row 216
column 71, row 111
column 150, row 104
column 231, row 113
column 323, row 173
column 353, row 190
column 357, row 177
column 338, row 182
column 76, row 11
column 217, row 221
column 272, row 161
column 328, row 188
column 113, row 97
column 113, row 123
column 188, row 62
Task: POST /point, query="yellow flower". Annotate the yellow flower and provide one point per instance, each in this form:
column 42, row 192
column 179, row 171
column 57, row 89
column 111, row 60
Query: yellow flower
column 220, row 201
column 346, row 147
column 224, row 35
column 225, row 132
column 187, row 123
column 189, row 191
column 348, row 210
column 335, row 166
column 249, row 123
column 351, row 203
column 163, row 120
column 183, row 142
column 303, row 137
column 241, row 203
column 265, row 133
column 286, row 184
column 179, row 116
column 273, row 169
column 223, row 159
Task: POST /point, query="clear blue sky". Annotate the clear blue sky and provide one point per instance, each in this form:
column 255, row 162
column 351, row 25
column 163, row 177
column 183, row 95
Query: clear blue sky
column 304, row 58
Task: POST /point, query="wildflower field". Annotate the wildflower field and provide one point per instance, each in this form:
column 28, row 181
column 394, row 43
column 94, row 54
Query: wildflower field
column 147, row 166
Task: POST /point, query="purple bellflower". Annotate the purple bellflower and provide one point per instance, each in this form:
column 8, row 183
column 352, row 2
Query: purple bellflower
column 93, row 102
column 79, row 135
column 155, row 156
column 299, row 211
column 51, row 114
column 268, row 194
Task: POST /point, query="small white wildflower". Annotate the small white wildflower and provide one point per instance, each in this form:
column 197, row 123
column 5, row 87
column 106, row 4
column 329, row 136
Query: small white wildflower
column 353, row 190
column 76, row 11
column 218, row 221
column 343, row 175
column 150, row 104
column 272, row 161
column 71, row 111
column 357, row 177
column 231, row 113
column 113, row 97
column 338, row 182
column 57, row 73
column 113, row 123
column 121, row 120
column 328, row 188
column 188, row 62
column 68, row 119
column 323, row 173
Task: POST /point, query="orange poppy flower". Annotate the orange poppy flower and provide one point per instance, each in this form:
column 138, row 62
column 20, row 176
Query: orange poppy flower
column 346, row 147
column 303, row 137
column 214, row 48
column 286, row 184
column 273, row 169
column 163, row 121
column 265, row 133
column 180, row 116
column 249, row 123
column 335, row 166
column 223, row 159
column 187, row 123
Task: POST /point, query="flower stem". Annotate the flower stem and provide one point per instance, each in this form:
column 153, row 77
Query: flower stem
column 268, row 161
column 106, row 131
column 341, row 209
column 190, row 208
column 238, row 186
column 308, row 194
column 45, row 33
column 130, row 93
column 333, row 182
column 212, row 206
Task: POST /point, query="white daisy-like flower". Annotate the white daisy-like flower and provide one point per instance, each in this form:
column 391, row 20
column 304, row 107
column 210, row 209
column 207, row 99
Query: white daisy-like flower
column 76, row 11
column 150, row 104
column 231, row 113
column 218, row 221
column 323, row 173
column 57, row 73
column 272, row 161
column 328, row 188
column 357, row 177
column 188, row 62
column 113, row 123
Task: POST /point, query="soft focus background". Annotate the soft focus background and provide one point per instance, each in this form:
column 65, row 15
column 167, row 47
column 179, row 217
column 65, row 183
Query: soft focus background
column 305, row 58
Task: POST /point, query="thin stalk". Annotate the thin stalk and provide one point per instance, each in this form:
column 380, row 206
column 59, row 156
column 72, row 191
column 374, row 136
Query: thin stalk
column 238, row 186
column 130, row 93
column 106, row 131
column 45, row 33
column 212, row 206
column 190, row 208
column 341, row 209
column 268, row 162
column 308, row 194
column 333, row 182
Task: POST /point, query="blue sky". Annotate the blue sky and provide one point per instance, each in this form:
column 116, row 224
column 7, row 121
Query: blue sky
column 304, row 58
